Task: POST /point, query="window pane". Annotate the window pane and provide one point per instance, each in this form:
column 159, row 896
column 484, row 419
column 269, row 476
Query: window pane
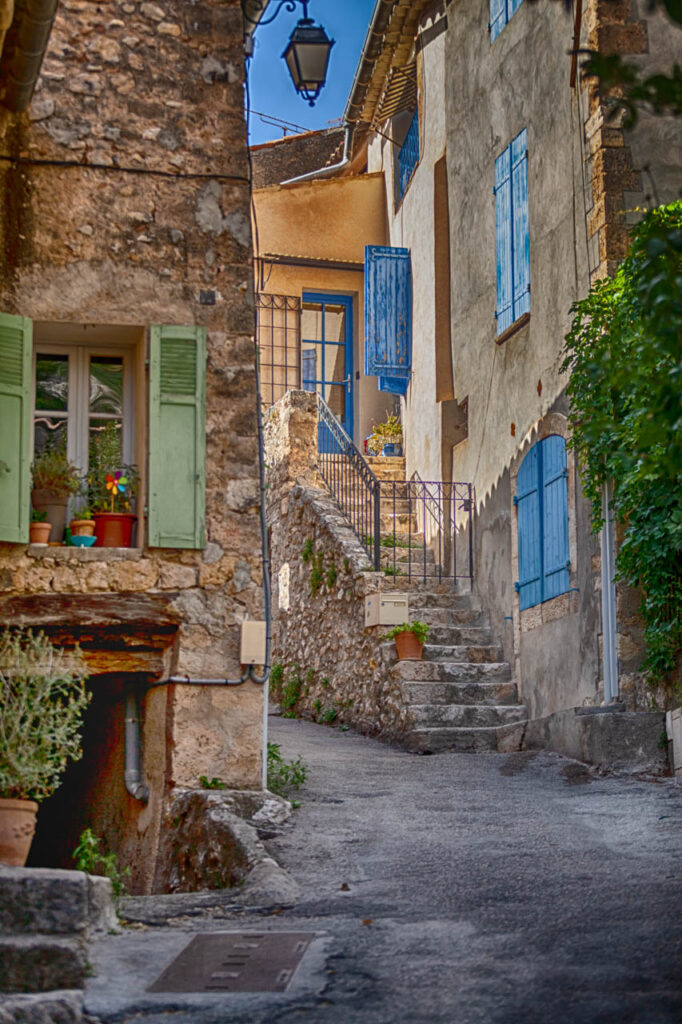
column 336, row 363
column 335, row 323
column 311, row 322
column 50, row 432
column 335, row 397
column 106, row 384
column 105, row 447
column 52, row 382
column 311, row 366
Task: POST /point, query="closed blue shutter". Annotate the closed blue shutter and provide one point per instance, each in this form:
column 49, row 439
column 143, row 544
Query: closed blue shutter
column 555, row 518
column 503, row 225
column 394, row 385
column 520, row 233
column 498, row 18
column 513, row 7
column 388, row 312
column 528, row 498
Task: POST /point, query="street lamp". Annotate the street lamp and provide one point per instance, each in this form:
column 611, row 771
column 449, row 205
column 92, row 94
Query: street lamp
column 308, row 50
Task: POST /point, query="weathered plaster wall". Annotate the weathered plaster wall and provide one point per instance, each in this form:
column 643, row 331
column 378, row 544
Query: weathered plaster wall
column 130, row 205
column 319, row 634
column 412, row 225
column 330, row 219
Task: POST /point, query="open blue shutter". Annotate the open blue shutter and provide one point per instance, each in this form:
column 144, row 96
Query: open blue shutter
column 520, row 233
column 527, row 502
column 503, row 225
column 388, row 312
column 498, row 18
column 16, row 336
column 394, row 385
column 556, row 569
column 513, row 7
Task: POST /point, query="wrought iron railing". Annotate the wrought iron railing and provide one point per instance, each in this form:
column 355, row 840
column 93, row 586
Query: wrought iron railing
column 350, row 480
column 427, row 529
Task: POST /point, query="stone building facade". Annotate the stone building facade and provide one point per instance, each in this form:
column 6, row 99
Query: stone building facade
column 125, row 218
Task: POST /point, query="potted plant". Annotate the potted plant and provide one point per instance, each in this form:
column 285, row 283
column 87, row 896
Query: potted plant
column 39, row 530
column 55, row 479
column 387, row 437
column 82, row 524
column 42, row 702
column 111, row 492
column 409, row 638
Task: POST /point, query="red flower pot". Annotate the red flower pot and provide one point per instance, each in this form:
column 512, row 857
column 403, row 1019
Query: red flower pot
column 407, row 646
column 113, row 529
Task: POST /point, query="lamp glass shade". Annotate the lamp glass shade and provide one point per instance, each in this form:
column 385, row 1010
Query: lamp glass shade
column 307, row 57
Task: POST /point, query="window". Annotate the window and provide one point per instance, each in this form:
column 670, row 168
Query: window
column 501, row 12
column 542, row 509
column 75, row 386
column 406, row 139
column 512, row 233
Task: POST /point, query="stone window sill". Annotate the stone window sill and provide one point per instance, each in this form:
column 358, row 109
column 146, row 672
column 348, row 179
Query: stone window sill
column 73, row 554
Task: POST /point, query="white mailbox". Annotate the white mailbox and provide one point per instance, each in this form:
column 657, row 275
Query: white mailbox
column 386, row 609
column 253, row 643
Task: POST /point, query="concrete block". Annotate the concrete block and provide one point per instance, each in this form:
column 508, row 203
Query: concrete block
column 63, row 1007
column 41, row 963
column 102, row 918
column 627, row 740
column 52, row 902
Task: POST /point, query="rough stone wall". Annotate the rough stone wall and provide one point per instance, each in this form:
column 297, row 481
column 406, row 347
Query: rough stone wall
column 125, row 200
column 274, row 162
column 319, row 631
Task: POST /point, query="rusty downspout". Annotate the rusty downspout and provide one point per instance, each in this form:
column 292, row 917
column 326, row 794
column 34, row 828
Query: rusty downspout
column 24, row 49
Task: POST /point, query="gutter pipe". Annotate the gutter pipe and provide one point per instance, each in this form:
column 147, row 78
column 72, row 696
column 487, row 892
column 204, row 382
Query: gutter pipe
column 134, row 779
column 24, row 49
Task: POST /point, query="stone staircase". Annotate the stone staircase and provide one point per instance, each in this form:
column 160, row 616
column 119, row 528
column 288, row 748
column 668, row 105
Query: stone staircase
column 462, row 692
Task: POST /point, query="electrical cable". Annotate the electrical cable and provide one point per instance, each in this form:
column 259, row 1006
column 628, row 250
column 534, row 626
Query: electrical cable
column 120, row 169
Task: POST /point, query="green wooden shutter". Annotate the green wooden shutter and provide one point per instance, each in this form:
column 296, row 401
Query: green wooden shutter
column 177, row 437
column 16, row 335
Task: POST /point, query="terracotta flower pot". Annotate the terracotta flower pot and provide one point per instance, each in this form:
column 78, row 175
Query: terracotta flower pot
column 82, row 527
column 113, row 529
column 39, row 533
column 407, row 646
column 53, row 504
column 17, row 825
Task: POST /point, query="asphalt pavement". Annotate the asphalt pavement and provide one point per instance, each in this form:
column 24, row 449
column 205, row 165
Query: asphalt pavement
column 458, row 888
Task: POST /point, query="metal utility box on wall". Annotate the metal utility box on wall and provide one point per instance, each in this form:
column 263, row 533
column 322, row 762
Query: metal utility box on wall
column 386, row 609
column 253, row 643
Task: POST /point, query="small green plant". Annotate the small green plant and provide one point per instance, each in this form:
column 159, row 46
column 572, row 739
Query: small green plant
column 82, row 513
column 307, row 552
column 213, row 783
column 276, row 675
column 38, row 515
column 324, row 682
column 42, row 702
column 317, row 572
column 317, row 706
column 346, row 564
column 310, row 676
column 332, row 575
column 390, row 431
column 329, row 715
column 420, row 629
column 89, row 858
column 52, row 471
column 284, row 776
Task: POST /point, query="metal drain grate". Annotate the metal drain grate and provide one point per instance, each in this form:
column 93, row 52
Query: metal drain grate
column 235, row 962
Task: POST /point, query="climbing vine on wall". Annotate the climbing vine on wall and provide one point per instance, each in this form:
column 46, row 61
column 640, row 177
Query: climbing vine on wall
column 624, row 356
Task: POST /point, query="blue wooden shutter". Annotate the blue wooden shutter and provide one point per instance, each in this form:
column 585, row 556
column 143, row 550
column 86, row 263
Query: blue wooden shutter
column 388, row 312
column 394, row 385
column 513, row 7
column 498, row 18
column 527, row 501
column 520, row 233
column 177, row 437
column 503, row 227
column 556, row 568
column 16, row 336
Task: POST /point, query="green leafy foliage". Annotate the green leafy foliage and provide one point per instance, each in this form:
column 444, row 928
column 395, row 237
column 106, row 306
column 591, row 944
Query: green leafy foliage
column 89, row 858
column 52, row 471
column 624, row 355
column 283, row 776
column 42, row 702
column 213, row 783
column 420, row 630
column 286, row 687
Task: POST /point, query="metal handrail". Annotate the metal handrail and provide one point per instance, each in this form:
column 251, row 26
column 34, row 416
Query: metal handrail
column 350, row 480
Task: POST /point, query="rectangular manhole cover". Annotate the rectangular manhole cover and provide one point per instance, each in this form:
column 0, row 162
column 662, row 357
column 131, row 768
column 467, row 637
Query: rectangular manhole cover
column 235, row 962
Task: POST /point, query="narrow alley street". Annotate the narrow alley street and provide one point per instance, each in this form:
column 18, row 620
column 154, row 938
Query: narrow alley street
column 468, row 889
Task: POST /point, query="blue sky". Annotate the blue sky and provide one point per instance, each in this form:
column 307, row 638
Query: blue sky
column 272, row 90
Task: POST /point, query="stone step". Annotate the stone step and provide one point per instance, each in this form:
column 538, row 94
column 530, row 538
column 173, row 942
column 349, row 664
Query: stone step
column 402, row 524
column 478, row 635
column 40, row 963
column 466, row 716
column 430, row 599
column 472, row 692
column 446, row 616
column 60, row 1007
column 413, row 670
column 433, row 741
column 463, row 652
column 403, row 556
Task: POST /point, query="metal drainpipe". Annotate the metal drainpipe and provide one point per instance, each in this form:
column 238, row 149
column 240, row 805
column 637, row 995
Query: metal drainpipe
column 134, row 781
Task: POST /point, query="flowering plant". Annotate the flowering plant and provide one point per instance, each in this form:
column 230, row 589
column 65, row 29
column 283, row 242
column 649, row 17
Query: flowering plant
column 112, row 490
